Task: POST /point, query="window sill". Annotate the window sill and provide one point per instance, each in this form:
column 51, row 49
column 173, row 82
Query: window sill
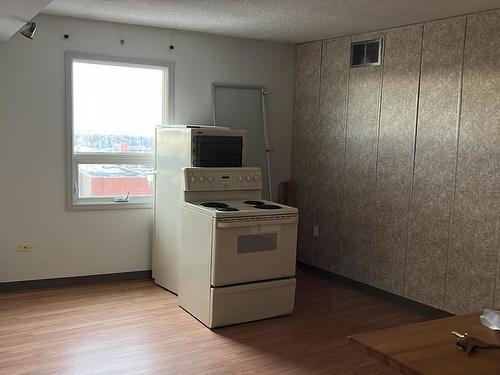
column 94, row 206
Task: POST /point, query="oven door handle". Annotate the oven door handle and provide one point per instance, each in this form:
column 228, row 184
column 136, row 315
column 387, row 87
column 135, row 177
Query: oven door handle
column 239, row 224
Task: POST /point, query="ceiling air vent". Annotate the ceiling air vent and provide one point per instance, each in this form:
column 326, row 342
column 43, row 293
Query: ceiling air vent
column 366, row 53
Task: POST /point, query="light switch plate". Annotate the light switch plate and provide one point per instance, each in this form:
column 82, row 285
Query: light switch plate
column 24, row 247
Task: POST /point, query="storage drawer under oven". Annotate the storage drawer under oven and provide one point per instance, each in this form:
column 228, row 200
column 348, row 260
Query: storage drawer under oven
column 244, row 303
column 251, row 250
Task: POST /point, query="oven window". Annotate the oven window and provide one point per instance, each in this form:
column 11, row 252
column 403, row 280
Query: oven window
column 257, row 242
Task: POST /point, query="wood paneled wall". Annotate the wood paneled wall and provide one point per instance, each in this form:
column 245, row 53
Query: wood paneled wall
column 399, row 164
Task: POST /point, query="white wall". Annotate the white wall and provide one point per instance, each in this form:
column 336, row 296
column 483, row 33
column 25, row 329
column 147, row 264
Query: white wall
column 32, row 137
column 14, row 14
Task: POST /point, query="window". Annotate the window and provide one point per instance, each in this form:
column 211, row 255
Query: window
column 366, row 53
column 113, row 107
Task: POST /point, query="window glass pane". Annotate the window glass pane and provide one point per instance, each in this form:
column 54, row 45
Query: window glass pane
column 252, row 243
column 111, row 180
column 372, row 52
column 358, row 54
column 115, row 108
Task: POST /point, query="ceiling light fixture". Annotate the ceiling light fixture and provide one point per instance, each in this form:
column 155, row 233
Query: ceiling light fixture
column 28, row 30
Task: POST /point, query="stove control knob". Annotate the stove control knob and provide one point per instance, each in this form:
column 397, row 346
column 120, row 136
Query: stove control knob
column 256, row 178
column 202, row 179
column 240, row 178
column 210, row 178
column 193, row 179
column 249, row 178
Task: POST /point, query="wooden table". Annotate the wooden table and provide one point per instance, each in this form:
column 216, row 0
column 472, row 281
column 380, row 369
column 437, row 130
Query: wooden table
column 429, row 347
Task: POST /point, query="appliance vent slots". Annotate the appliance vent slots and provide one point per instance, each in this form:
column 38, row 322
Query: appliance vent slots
column 365, row 53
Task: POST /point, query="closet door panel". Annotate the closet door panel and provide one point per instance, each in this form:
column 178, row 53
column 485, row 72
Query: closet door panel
column 475, row 244
column 401, row 70
column 435, row 161
column 329, row 151
column 360, row 169
column 307, row 76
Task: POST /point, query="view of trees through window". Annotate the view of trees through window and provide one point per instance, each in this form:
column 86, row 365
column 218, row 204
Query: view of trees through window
column 113, row 143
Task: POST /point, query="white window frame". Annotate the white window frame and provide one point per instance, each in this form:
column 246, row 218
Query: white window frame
column 74, row 202
column 365, row 42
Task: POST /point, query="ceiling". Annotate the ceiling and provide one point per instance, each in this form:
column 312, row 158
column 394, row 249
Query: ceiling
column 15, row 13
column 273, row 20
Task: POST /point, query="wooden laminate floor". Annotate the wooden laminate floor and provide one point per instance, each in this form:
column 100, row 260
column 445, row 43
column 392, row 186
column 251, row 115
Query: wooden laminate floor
column 137, row 328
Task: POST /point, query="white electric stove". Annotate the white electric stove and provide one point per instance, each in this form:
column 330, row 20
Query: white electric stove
column 238, row 251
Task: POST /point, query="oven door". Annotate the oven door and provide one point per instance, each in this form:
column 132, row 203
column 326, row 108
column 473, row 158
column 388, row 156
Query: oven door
column 252, row 249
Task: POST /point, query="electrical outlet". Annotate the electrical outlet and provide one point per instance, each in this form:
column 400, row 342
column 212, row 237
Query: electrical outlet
column 24, row 247
column 316, row 230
